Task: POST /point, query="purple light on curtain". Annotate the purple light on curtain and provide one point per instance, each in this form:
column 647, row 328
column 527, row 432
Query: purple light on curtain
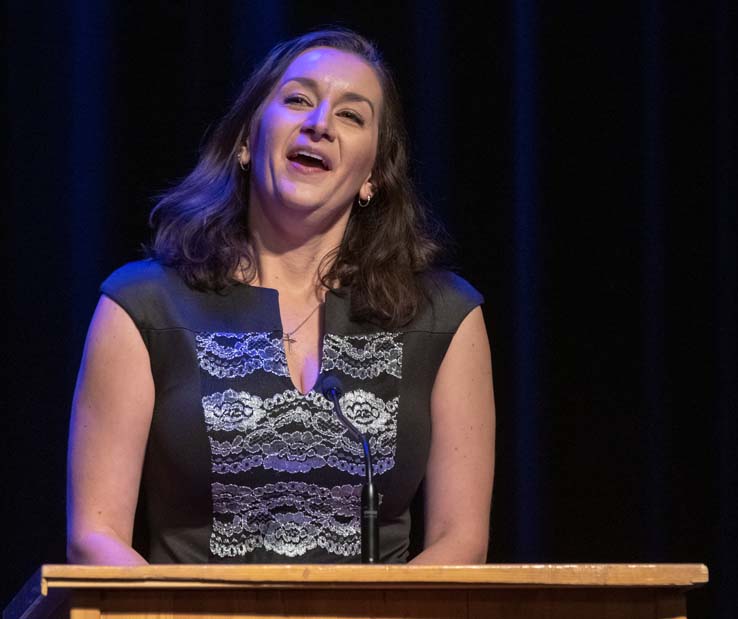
column 257, row 27
column 527, row 275
column 89, row 150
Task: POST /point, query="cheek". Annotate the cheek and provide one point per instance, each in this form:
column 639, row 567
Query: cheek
column 369, row 158
column 267, row 133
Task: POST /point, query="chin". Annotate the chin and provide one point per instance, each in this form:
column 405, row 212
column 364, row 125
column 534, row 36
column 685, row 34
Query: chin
column 302, row 203
column 304, row 200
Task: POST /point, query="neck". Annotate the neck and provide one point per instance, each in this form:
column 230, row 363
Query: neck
column 289, row 250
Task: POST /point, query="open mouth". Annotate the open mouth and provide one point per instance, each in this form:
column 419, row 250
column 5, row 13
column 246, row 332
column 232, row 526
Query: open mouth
column 309, row 159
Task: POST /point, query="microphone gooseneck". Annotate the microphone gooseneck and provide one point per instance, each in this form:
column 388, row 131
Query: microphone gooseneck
column 332, row 391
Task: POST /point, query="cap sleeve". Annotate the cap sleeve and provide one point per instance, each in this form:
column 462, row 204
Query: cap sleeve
column 136, row 287
column 451, row 299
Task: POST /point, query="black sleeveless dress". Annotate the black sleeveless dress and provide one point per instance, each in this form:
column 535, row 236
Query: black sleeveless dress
column 241, row 467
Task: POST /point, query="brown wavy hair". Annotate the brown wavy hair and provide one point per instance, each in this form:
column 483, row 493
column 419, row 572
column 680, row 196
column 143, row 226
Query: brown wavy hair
column 200, row 225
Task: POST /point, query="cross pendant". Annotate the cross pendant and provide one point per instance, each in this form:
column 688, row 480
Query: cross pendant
column 287, row 339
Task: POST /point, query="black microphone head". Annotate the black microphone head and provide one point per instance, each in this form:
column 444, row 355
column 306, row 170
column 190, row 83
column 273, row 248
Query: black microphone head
column 331, row 384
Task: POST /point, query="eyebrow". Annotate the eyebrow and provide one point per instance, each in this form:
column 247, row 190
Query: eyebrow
column 347, row 96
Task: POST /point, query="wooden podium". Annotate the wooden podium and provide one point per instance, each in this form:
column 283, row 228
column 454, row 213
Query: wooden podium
column 356, row 591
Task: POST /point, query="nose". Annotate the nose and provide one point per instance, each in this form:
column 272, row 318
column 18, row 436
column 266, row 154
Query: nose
column 319, row 123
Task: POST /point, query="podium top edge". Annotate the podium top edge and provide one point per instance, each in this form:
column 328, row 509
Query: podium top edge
column 309, row 575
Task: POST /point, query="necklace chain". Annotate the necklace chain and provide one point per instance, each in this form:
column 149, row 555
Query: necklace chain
column 287, row 335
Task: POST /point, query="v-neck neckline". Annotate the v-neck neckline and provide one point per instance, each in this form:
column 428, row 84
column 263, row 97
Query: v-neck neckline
column 273, row 295
column 321, row 348
column 318, row 376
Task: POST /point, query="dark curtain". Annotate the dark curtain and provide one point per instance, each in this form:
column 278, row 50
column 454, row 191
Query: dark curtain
column 581, row 154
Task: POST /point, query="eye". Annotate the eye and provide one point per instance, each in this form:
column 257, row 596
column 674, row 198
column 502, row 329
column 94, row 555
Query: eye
column 297, row 100
column 351, row 115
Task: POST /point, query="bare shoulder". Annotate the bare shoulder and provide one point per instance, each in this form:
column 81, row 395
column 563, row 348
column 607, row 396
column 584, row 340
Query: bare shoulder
column 115, row 386
column 466, row 369
column 115, row 356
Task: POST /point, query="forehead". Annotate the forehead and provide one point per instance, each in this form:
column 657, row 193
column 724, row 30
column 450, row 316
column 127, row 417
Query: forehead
column 336, row 69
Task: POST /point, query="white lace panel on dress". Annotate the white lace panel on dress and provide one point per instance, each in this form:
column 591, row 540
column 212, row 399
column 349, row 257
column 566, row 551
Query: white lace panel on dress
column 289, row 518
column 230, row 355
column 296, row 436
column 363, row 356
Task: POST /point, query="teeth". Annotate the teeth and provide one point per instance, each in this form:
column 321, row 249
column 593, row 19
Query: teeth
column 308, row 154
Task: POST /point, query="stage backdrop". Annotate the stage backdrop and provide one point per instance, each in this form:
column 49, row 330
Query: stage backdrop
column 581, row 154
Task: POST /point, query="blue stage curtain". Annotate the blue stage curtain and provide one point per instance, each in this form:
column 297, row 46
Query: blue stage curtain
column 582, row 156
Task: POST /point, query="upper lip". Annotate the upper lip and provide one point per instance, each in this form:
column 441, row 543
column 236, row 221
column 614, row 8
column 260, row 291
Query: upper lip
column 313, row 152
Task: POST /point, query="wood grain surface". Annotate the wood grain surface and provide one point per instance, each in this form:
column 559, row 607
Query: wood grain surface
column 383, row 576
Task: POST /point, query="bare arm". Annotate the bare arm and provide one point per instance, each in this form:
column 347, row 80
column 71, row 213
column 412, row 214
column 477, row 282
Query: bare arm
column 111, row 417
column 458, row 483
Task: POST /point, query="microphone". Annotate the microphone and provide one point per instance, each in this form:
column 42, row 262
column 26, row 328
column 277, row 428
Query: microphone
column 332, row 391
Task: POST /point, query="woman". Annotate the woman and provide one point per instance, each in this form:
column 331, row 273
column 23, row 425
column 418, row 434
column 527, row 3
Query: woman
column 294, row 250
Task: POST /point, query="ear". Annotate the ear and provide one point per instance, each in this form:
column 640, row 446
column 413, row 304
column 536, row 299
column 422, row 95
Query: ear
column 244, row 154
column 367, row 190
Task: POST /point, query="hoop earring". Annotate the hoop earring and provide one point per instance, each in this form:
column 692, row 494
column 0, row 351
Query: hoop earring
column 364, row 203
column 244, row 167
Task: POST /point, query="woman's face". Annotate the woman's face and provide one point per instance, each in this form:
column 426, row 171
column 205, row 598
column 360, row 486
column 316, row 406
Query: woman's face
column 315, row 143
